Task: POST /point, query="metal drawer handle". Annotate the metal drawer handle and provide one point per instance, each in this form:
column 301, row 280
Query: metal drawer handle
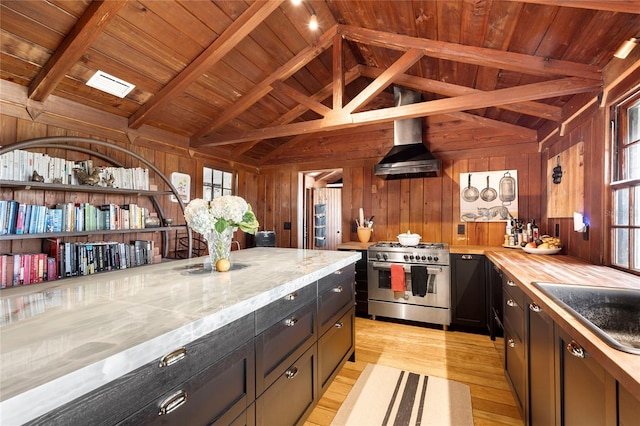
column 339, row 324
column 511, row 283
column 338, row 289
column 512, row 303
column 338, row 272
column 290, row 322
column 173, row 357
column 291, row 296
column 291, row 373
column 534, row 307
column 575, row 349
column 511, row 343
column 467, row 257
column 173, row 402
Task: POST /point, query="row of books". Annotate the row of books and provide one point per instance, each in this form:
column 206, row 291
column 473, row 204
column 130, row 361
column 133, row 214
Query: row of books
column 19, row 165
column 21, row 218
column 65, row 259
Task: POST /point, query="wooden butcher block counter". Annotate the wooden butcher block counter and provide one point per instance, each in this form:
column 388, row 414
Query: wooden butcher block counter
column 527, row 268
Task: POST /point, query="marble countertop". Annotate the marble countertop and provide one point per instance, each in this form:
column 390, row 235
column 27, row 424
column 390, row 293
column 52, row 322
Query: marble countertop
column 62, row 339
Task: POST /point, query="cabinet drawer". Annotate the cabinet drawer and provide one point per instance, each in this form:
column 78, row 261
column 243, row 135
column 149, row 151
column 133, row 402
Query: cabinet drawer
column 276, row 311
column 514, row 365
column 513, row 313
column 218, row 394
column 291, row 397
column 334, row 348
column 282, row 343
column 512, row 291
column 335, row 292
column 125, row 395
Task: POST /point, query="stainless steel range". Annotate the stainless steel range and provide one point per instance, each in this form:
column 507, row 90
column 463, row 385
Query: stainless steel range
column 423, row 295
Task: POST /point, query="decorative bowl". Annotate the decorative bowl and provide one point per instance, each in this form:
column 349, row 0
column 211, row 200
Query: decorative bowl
column 541, row 250
column 408, row 239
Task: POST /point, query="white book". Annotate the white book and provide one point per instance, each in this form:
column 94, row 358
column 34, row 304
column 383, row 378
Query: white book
column 30, row 164
column 16, row 165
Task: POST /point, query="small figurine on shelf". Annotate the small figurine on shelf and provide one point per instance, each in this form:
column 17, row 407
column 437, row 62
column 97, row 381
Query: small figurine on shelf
column 109, row 182
column 87, row 179
column 37, row 177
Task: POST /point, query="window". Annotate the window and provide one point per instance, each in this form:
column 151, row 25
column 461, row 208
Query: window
column 216, row 183
column 625, row 228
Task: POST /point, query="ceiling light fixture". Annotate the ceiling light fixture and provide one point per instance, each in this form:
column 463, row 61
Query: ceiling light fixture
column 313, row 21
column 626, row 47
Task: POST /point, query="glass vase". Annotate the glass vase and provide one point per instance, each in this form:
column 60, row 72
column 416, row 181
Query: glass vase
column 219, row 245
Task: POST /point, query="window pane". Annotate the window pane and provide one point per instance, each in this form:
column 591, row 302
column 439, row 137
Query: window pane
column 227, row 181
column 632, row 161
column 226, row 191
column 621, row 204
column 217, row 192
column 621, row 244
column 207, row 175
column 207, row 193
column 634, row 123
column 217, row 178
column 636, row 206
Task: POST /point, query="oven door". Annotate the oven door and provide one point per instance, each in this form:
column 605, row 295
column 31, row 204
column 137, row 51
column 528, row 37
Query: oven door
column 437, row 282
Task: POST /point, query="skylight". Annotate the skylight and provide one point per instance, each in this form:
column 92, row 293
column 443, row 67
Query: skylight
column 110, row 84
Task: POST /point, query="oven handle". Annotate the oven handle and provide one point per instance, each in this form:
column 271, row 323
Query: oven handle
column 407, row 268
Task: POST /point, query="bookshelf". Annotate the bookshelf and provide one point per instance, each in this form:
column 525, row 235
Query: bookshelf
column 21, row 189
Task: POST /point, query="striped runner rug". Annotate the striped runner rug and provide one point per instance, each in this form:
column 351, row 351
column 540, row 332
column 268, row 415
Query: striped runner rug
column 387, row 396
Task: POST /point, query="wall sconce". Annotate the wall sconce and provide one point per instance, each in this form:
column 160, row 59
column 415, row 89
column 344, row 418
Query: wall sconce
column 626, row 47
column 579, row 225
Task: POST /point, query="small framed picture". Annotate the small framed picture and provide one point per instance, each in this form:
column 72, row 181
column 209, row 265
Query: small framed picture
column 182, row 183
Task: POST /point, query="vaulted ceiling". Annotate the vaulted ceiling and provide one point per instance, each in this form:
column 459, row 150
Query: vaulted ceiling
column 250, row 81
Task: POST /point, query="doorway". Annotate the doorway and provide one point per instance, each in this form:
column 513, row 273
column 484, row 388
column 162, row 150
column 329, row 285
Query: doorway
column 322, row 207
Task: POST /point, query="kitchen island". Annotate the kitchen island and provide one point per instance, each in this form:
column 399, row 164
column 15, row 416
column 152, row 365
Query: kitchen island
column 63, row 339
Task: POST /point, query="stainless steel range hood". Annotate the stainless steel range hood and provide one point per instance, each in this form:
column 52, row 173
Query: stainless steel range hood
column 408, row 158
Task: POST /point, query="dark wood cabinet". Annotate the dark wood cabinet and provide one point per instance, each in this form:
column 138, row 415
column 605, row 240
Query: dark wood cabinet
column 514, row 339
column 586, row 392
column 290, row 399
column 362, row 284
column 334, row 348
column 469, row 290
column 542, row 401
column 217, row 395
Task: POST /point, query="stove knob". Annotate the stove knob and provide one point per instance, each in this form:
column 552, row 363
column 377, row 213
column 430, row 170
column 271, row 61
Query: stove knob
column 429, row 258
column 385, row 256
column 411, row 257
column 424, row 258
column 435, row 258
column 406, row 257
column 378, row 256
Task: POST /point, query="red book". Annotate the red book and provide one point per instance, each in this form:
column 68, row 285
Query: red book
column 42, row 266
column 51, row 247
column 52, row 269
column 3, row 271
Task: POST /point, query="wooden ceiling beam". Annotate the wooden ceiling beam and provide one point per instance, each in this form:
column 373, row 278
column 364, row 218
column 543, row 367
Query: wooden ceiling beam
column 547, row 89
column 529, row 134
column 234, row 34
column 75, row 44
column 296, row 112
column 300, row 97
column 627, row 6
column 472, row 54
column 405, row 62
column 536, row 109
column 264, row 87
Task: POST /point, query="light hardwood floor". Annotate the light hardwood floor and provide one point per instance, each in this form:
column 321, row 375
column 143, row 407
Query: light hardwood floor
column 467, row 358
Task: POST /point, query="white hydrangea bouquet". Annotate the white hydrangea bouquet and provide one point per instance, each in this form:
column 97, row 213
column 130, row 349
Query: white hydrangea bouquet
column 216, row 220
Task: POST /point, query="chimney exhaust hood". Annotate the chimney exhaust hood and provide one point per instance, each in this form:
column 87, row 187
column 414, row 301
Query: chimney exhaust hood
column 408, row 158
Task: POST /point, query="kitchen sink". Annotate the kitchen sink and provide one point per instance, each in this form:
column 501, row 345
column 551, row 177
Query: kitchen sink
column 611, row 313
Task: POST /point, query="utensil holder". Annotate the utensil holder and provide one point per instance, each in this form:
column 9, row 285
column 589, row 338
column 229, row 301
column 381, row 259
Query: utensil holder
column 364, row 234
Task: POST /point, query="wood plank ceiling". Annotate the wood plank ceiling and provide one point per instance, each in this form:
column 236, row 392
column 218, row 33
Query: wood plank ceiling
column 250, row 81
